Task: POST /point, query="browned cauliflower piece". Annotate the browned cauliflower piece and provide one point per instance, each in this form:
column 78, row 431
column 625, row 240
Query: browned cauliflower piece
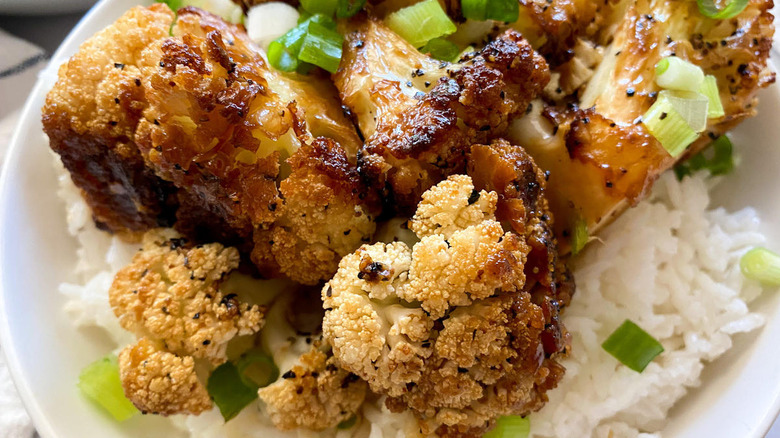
column 170, row 293
column 326, row 214
column 449, row 328
column 315, row 394
column 419, row 116
column 160, row 382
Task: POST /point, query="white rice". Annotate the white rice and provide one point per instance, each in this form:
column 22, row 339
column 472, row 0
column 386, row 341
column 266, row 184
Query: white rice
column 671, row 265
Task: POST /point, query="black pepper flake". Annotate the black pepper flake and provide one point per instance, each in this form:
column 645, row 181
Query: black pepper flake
column 474, row 196
column 196, row 316
column 609, row 184
column 663, row 116
column 630, row 92
column 409, row 84
column 137, row 82
column 156, row 122
column 116, row 100
column 427, row 84
column 119, row 65
column 206, row 342
column 288, row 375
column 112, row 123
column 346, row 233
column 272, row 206
column 743, row 69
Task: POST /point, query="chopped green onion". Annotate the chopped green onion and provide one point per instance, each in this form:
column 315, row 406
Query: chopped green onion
column 228, row 390
column 324, row 7
column 709, row 88
column 175, row 5
column 281, row 58
column 421, row 22
column 349, row 423
column 761, row 264
column 257, row 369
column 511, row 426
column 721, row 163
column 693, row 107
column 672, row 73
column 348, row 8
column 442, row 49
column 507, row 11
column 632, row 346
column 732, row 9
column 666, row 123
column 579, row 236
column 321, row 47
column 100, row 382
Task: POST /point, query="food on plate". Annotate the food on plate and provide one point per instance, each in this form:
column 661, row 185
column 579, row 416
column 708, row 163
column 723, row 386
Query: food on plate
column 194, row 130
column 590, row 134
column 365, row 226
column 493, row 354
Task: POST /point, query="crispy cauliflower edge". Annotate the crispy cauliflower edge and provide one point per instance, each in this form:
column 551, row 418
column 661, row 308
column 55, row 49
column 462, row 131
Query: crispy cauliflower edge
column 315, row 394
column 445, row 328
column 160, row 382
column 170, row 293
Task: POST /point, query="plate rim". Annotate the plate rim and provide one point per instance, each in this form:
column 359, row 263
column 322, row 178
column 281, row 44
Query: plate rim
column 71, row 43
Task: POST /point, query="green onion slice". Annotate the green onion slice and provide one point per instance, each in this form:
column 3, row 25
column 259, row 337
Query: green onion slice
column 579, row 236
column 721, row 163
column 281, row 58
column 228, row 390
column 100, row 382
column 321, row 47
column 442, row 49
column 257, row 369
column 732, row 9
column 507, row 11
column 349, row 423
column 709, row 88
column 669, row 124
column 348, row 8
column 324, row 7
column 693, row 107
column 511, row 426
column 673, row 73
column 421, row 22
column 632, row 346
column 761, row 264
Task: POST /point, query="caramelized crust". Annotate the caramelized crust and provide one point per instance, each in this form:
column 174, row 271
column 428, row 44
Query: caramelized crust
column 420, row 116
column 601, row 158
column 90, row 117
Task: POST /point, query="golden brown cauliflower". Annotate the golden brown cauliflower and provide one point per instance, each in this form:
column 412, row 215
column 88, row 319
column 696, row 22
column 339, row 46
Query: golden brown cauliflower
column 180, row 121
column 315, row 394
column 449, row 328
column 324, row 216
column 419, row 116
column 159, row 382
column 170, row 294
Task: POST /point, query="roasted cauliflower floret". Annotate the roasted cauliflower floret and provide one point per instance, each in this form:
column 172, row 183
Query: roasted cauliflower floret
column 325, row 216
column 419, row 116
column 315, row 394
column 179, row 120
column 170, row 294
column 441, row 327
column 160, row 382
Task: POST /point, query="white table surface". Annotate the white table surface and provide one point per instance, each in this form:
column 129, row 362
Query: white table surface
column 49, row 31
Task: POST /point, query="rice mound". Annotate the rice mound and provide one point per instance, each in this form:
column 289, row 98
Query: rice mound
column 671, row 265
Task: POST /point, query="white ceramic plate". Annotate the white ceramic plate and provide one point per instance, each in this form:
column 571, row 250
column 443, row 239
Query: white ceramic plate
column 43, row 7
column 740, row 392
